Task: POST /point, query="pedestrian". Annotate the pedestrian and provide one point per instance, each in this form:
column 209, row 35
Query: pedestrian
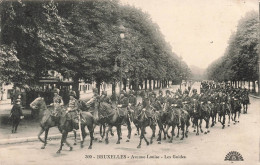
column 16, row 115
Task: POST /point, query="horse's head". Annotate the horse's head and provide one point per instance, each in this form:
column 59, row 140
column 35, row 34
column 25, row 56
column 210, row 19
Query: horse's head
column 39, row 103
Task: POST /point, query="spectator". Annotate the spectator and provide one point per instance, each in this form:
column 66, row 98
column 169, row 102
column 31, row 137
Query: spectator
column 16, row 115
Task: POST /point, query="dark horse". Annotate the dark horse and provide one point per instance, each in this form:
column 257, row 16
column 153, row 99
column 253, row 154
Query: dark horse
column 245, row 102
column 47, row 119
column 235, row 109
column 142, row 119
column 76, row 120
column 114, row 117
column 200, row 111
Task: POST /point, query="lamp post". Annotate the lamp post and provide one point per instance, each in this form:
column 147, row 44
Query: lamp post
column 122, row 36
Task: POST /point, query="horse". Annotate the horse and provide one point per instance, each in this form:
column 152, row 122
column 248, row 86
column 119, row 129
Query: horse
column 47, row 119
column 76, row 120
column 144, row 121
column 245, row 102
column 173, row 120
column 114, row 117
column 235, row 108
column 200, row 112
column 160, row 114
column 97, row 120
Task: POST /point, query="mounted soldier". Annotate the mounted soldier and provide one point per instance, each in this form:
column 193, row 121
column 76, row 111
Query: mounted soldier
column 105, row 98
column 57, row 103
column 73, row 102
column 123, row 102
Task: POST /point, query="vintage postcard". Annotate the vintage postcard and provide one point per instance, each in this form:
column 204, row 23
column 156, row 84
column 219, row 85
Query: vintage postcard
column 129, row 82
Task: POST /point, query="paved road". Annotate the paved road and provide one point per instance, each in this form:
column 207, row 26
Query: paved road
column 203, row 149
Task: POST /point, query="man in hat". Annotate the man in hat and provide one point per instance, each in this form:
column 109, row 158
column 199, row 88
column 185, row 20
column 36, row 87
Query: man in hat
column 16, row 115
column 123, row 102
column 104, row 98
column 57, row 102
column 73, row 102
column 93, row 100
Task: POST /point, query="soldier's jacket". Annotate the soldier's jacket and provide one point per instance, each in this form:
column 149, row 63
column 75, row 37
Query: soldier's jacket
column 91, row 102
column 161, row 99
column 203, row 99
column 223, row 98
column 57, row 100
column 73, row 105
column 124, row 102
column 195, row 96
column 132, row 100
column 105, row 99
column 186, row 99
column 146, row 103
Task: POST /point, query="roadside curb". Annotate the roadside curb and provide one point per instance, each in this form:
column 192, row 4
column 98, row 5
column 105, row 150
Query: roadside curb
column 31, row 139
column 34, row 138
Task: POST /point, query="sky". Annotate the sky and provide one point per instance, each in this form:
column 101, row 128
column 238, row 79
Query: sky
column 198, row 30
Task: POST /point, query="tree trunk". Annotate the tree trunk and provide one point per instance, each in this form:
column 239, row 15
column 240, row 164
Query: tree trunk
column 157, row 84
column 113, row 87
column 124, row 84
column 150, row 84
column 98, row 83
column 249, row 86
column 153, row 84
column 253, row 87
column 145, row 84
column 235, row 84
column 75, row 86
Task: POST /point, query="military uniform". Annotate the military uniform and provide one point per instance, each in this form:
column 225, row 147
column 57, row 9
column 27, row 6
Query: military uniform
column 16, row 115
column 73, row 103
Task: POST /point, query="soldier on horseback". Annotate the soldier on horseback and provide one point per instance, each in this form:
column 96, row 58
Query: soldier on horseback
column 105, row 98
column 57, row 103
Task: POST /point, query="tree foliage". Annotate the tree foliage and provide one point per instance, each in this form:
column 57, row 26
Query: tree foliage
column 81, row 39
column 240, row 59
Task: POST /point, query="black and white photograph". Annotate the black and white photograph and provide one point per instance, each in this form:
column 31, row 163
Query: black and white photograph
column 129, row 82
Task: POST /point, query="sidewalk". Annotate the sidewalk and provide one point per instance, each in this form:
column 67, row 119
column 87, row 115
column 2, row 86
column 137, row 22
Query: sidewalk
column 28, row 128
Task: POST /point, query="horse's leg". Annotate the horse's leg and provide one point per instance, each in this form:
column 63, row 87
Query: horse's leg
column 147, row 143
column 45, row 138
column 40, row 133
column 118, row 130
column 102, row 132
column 90, row 129
column 187, row 128
column 178, row 130
column 228, row 118
column 153, row 127
column 141, row 137
column 197, row 125
column 224, row 120
column 84, row 134
column 183, row 130
column 167, row 128
column 200, row 125
column 235, row 115
column 238, row 116
column 160, row 125
column 108, row 129
column 75, row 137
column 129, row 130
column 207, row 124
column 173, row 126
